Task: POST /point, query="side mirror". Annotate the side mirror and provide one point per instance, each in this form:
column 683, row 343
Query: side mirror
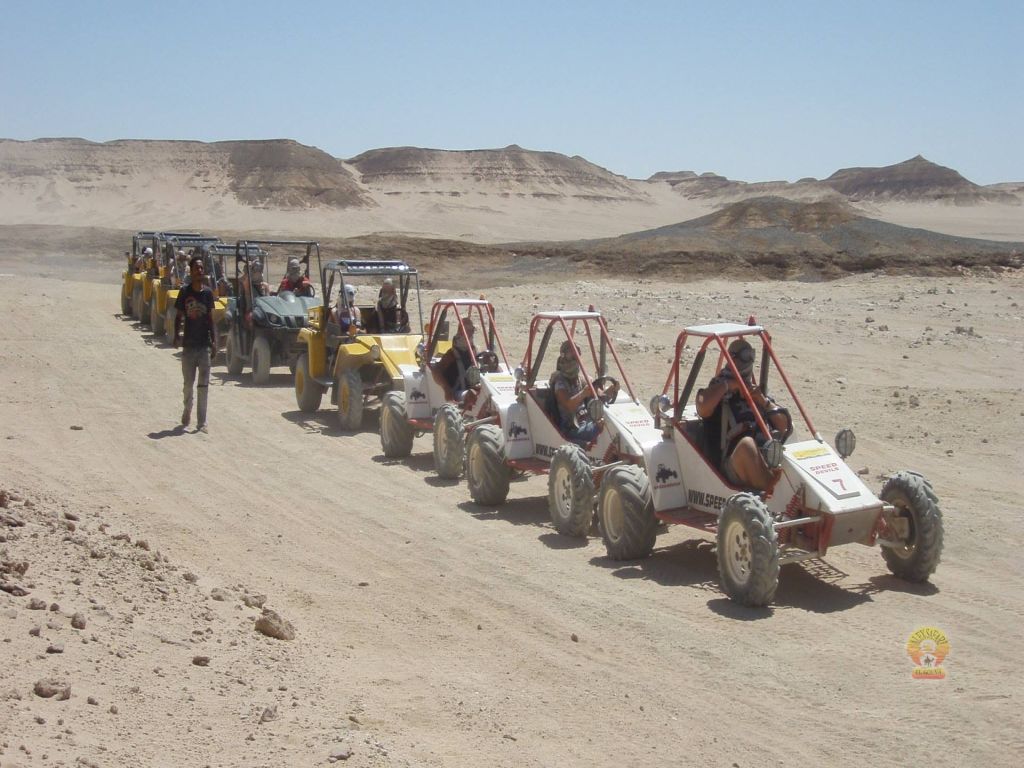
column 772, row 452
column 659, row 408
column 846, row 442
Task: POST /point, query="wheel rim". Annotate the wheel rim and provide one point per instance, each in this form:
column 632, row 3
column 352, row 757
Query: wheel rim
column 905, row 548
column 563, row 492
column 442, row 440
column 737, row 554
column 614, row 519
column 475, row 460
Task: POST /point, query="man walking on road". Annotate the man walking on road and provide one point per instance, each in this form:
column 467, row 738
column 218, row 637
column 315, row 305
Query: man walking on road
column 195, row 310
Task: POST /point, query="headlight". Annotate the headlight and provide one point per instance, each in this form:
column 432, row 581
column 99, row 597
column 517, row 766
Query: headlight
column 274, row 319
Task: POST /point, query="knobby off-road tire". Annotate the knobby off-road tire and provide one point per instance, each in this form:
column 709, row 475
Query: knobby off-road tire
column 913, row 497
column 487, row 474
column 136, row 302
column 571, row 491
column 350, row 401
column 235, row 362
column 626, row 514
column 156, row 319
column 261, row 356
column 126, row 304
column 449, row 442
column 308, row 393
column 748, row 551
column 145, row 307
column 396, row 434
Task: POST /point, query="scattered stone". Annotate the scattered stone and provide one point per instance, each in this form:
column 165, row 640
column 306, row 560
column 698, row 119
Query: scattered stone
column 121, row 537
column 97, row 554
column 220, row 595
column 13, row 589
column 71, row 516
column 190, row 577
column 54, row 608
column 574, row 637
column 77, row 427
column 270, row 713
column 201, row 661
column 273, row 625
column 869, row 319
column 863, row 471
column 113, row 709
column 78, row 620
column 254, row 601
column 41, row 720
column 29, row 503
column 914, row 402
column 355, row 719
column 92, row 700
column 5, row 499
column 47, row 688
column 55, row 648
column 339, row 753
column 363, row 584
column 142, row 544
column 35, row 604
column 883, row 327
column 35, row 631
column 11, row 520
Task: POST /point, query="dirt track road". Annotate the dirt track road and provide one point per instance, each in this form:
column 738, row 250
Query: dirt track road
column 432, row 632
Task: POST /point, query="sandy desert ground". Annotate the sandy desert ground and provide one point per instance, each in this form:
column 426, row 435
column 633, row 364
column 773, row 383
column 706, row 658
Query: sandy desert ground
column 433, row 632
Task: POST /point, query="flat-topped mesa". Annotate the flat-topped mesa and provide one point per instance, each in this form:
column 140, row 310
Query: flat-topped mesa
column 512, row 171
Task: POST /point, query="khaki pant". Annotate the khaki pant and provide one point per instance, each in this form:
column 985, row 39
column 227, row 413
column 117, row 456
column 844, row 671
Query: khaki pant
column 196, row 359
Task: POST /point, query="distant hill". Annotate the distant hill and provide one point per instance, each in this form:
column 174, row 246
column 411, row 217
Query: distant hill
column 772, row 236
column 512, row 170
column 915, row 179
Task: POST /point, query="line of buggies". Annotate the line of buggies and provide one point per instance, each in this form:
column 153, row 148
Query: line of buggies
column 636, row 470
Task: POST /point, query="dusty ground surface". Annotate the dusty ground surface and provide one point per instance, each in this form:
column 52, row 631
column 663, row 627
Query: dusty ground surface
column 433, row 632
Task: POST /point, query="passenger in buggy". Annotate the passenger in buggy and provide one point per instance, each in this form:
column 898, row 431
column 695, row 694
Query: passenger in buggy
column 570, row 393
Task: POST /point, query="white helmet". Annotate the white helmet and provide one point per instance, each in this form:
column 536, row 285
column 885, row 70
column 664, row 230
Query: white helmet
column 350, row 291
column 147, row 251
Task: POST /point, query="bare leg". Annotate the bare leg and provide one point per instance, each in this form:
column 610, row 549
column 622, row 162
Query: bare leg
column 750, row 466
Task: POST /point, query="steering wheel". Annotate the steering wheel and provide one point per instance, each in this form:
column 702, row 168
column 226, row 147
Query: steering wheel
column 607, row 388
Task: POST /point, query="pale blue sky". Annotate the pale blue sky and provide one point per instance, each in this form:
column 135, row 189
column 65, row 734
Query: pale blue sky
column 751, row 90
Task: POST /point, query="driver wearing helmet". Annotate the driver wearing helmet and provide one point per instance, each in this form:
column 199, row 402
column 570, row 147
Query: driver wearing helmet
column 254, row 276
column 571, row 393
column 295, row 280
column 142, row 262
column 450, row 370
column 732, row 438
column 347, row 314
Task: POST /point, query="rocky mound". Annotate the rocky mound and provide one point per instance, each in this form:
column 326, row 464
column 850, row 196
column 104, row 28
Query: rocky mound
column 713, row 186
column 779, row 238
column 509, row 171
column 916, row 179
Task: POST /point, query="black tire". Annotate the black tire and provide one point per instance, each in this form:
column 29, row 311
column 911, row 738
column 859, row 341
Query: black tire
column 350, row 401
column 308, row 393
column 136, row 302
column 487, row 474
column 156, row 319
column 396, row 434
column 748, row 551
column 235, row 362
column 126, row 304
column 144, row 307
column 913, row 497
column 449, row 442
column 626, row 514
column 261, row 358
column 571, row 492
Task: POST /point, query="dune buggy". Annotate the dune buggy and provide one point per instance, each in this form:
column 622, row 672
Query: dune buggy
column 172, row 262
column 444, row 391
column 263, row 324
column 359, row 361
column 522, row 434
column 815, row 501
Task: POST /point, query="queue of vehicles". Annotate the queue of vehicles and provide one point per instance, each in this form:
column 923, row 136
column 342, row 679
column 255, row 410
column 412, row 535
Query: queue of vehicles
column 643, row 469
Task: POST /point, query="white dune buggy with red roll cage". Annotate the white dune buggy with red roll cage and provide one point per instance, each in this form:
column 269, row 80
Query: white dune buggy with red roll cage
column 815, row 502
column 427, row 402
column 521, row 435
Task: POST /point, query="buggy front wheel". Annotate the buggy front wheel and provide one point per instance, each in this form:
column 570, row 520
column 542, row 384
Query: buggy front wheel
column 915, row 556
column 449, row 442
column 748, row 551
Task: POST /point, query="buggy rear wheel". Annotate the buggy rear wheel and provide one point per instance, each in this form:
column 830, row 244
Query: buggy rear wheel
column 308, row 393
column 449, row 442
column 748, row 551
column 350, row 401
column 126, row 303
column 234, row 359
column 487, row 474
column 571, row 491
column 916, row 557
column 261, row 357
column 136, row 301
column 169, row 319
column 396, row 435
column 626, row 514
